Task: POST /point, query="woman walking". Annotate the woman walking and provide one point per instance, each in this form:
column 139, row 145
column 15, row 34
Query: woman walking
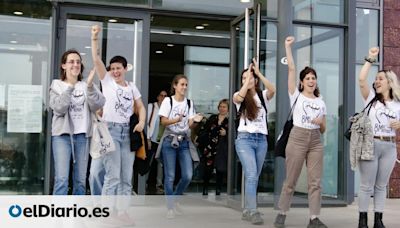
column 304, row 141
column 72, row 101
column 384, row 113
column 251, row 142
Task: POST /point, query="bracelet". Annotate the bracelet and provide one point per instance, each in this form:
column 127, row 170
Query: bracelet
column 240, row 96
column 370, row 60
column 94, row 39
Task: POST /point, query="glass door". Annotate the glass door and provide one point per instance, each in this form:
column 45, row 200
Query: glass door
column 124, row 32
column 245, row 45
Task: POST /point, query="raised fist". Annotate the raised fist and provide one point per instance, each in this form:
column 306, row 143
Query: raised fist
column 373, row 52
column 289, row 40
column 95, row 30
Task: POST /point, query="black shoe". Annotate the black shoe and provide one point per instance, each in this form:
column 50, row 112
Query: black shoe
column 280, row 221
column 378, row 220
column 217, row 192
column 316, row 223
column 363, row 220
column 205, row 191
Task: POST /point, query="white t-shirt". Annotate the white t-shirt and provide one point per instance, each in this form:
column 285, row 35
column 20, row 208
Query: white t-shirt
column 77, row 109
column 119, row 100
column 306, row 109
column 381, row 115
column 178, row 107
column 259, row 124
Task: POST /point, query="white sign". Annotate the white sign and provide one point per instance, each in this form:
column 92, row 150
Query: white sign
column 2, row 96
column 24, row 113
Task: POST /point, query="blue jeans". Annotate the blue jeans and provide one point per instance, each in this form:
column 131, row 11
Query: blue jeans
column 169, row 156
column 251, row 149
column 118, row 165
column 62, row 151
column 96, row 176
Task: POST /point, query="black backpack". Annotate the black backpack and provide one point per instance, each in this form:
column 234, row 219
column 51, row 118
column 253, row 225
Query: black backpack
column 242, row 107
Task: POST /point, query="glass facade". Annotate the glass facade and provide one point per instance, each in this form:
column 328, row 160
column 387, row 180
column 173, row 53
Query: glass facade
column 25, row 59
column 26, row 54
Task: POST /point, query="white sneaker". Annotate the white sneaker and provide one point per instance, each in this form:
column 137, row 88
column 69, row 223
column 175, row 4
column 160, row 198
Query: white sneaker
column 178, row 209
column 170, row 214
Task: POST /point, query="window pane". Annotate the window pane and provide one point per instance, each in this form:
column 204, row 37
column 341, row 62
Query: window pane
column 322, row 10
column 322, row 49
column 25, row 49
column 367, row 32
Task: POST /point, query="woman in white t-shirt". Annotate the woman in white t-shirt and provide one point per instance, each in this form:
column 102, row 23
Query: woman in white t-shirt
column 72, row 101
column 122, row 98
column 384, row 115
column 304, row 141
column 251, row 142
column 178, row 115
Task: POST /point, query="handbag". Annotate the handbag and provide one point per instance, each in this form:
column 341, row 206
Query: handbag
column 347, row 133
column 101, row 142
column 280, row 146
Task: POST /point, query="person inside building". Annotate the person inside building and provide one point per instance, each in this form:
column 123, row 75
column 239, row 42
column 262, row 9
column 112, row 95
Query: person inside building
column 155, row 178
column 304, row 143
column 178, row 115
column 72, row 102
column 251, row 141
column 122, row 99
column 384, row 113
column 213, row 144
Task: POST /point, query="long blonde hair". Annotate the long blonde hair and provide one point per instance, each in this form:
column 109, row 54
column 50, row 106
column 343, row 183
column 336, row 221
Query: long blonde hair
column 393, row 83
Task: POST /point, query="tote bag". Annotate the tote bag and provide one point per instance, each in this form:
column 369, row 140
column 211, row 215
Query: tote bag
column 101, row 142
column 280, row 146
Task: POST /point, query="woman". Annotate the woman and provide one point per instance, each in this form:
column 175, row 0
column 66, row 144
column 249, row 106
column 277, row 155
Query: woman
column 251, row 142
column 177, row 114
column 384, row 115
column 72, row 102
column 122, row 98
column 304, row 141
column 215, row 147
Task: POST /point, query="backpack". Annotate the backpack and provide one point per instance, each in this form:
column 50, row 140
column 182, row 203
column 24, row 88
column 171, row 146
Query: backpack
column 362, row 137
column 242, row 108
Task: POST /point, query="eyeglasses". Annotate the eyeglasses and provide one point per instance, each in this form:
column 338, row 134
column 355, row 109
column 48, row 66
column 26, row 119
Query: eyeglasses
column 76, row 61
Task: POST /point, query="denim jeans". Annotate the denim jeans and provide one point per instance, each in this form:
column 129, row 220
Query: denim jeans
column 118, row 165
column 169, row 157
column 96, row 176
column 62, row 152
column 251, row 149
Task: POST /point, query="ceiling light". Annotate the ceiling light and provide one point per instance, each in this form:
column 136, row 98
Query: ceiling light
column 170, row 45
column 205, row 24
column 159, row 52
column 18, row 13
column 82, row 53
column 87, row 47
column 13, row 41
column 12, row 49
column 245, row 1
column 112, row 20
column 199, row 27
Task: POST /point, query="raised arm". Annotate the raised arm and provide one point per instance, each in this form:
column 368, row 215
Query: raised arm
column 239, row 97
column 291, row 67
column 363, row 77
column 98, row 63
column 268, row 85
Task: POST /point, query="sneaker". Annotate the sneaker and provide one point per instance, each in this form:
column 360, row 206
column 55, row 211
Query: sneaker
column 126, row 219
column 256, row 219
column 316, row 223
column 170, row 214
column 246, row 215
column 280, row 221
column 178, row 209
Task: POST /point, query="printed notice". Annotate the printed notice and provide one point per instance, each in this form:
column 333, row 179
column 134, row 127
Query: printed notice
column 2, row 96
column 24, row 113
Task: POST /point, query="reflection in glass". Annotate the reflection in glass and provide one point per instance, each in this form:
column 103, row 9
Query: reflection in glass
column 25, row 53
column 324, row 52
column 367, row 32
column 323, row 10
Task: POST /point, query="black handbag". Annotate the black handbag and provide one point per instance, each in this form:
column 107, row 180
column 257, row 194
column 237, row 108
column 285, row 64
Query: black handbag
column 280, row 146
column 347, row 133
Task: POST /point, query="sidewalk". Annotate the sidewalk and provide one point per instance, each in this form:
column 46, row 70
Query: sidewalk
column 204, row 213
